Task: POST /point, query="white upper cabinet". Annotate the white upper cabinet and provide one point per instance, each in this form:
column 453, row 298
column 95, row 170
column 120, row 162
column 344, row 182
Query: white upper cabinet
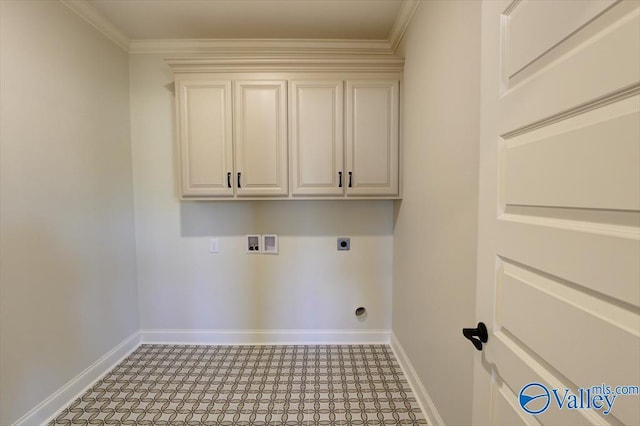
column 321, row 164
column 261, row 138
column 317, row 149
column 288, row 127
column 204, row 135
column 372, row 138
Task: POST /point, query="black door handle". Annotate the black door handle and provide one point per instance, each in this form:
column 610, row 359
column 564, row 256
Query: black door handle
column 339, row 179
column 239, row 186
column 229, row 180
column 478, row 335
column 350, row 178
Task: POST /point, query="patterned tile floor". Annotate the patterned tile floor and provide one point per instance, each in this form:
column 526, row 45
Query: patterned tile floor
column 250, row 385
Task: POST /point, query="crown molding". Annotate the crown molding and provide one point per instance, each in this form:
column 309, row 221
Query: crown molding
column 259, row 46
column 407, row 10
column 89, row 13
column 286, row 63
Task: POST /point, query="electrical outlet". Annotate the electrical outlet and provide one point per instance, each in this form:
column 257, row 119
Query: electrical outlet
column 213, row 245
column 344, row 244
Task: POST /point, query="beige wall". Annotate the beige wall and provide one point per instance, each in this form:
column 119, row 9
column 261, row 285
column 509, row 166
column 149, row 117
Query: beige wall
column 67, row 281
column 309, row 285
column 435, row 231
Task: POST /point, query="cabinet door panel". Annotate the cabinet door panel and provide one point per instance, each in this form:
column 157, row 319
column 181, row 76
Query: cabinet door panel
column 372, row 138
column 206, row 148
column 261, row 138
column 316, row 137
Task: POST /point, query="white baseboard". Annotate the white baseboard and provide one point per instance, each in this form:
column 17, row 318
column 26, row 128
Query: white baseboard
column 265, row 337
column 422, row 396
column 47, row 409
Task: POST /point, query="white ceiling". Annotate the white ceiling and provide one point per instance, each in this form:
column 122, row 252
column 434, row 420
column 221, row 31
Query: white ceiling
column 255, row 19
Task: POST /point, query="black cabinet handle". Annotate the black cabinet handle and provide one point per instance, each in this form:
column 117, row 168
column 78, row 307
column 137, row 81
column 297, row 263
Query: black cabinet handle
column 350, row 179
column 477, row 336
column 339, row 179
column 229, row 180
column 239, row 186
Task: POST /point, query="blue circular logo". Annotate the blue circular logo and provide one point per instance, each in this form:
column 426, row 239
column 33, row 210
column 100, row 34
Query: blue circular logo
column 534, row 398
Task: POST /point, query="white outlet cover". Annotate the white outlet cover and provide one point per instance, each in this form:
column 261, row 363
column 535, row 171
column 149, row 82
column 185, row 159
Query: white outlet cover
column 213, row 245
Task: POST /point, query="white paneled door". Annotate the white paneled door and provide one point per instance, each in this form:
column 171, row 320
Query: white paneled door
column 559, row 240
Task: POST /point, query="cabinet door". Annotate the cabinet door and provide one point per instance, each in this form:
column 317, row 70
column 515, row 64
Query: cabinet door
column 206, row 149
column 372, row 138
column 316, row 138
column 261, row 138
